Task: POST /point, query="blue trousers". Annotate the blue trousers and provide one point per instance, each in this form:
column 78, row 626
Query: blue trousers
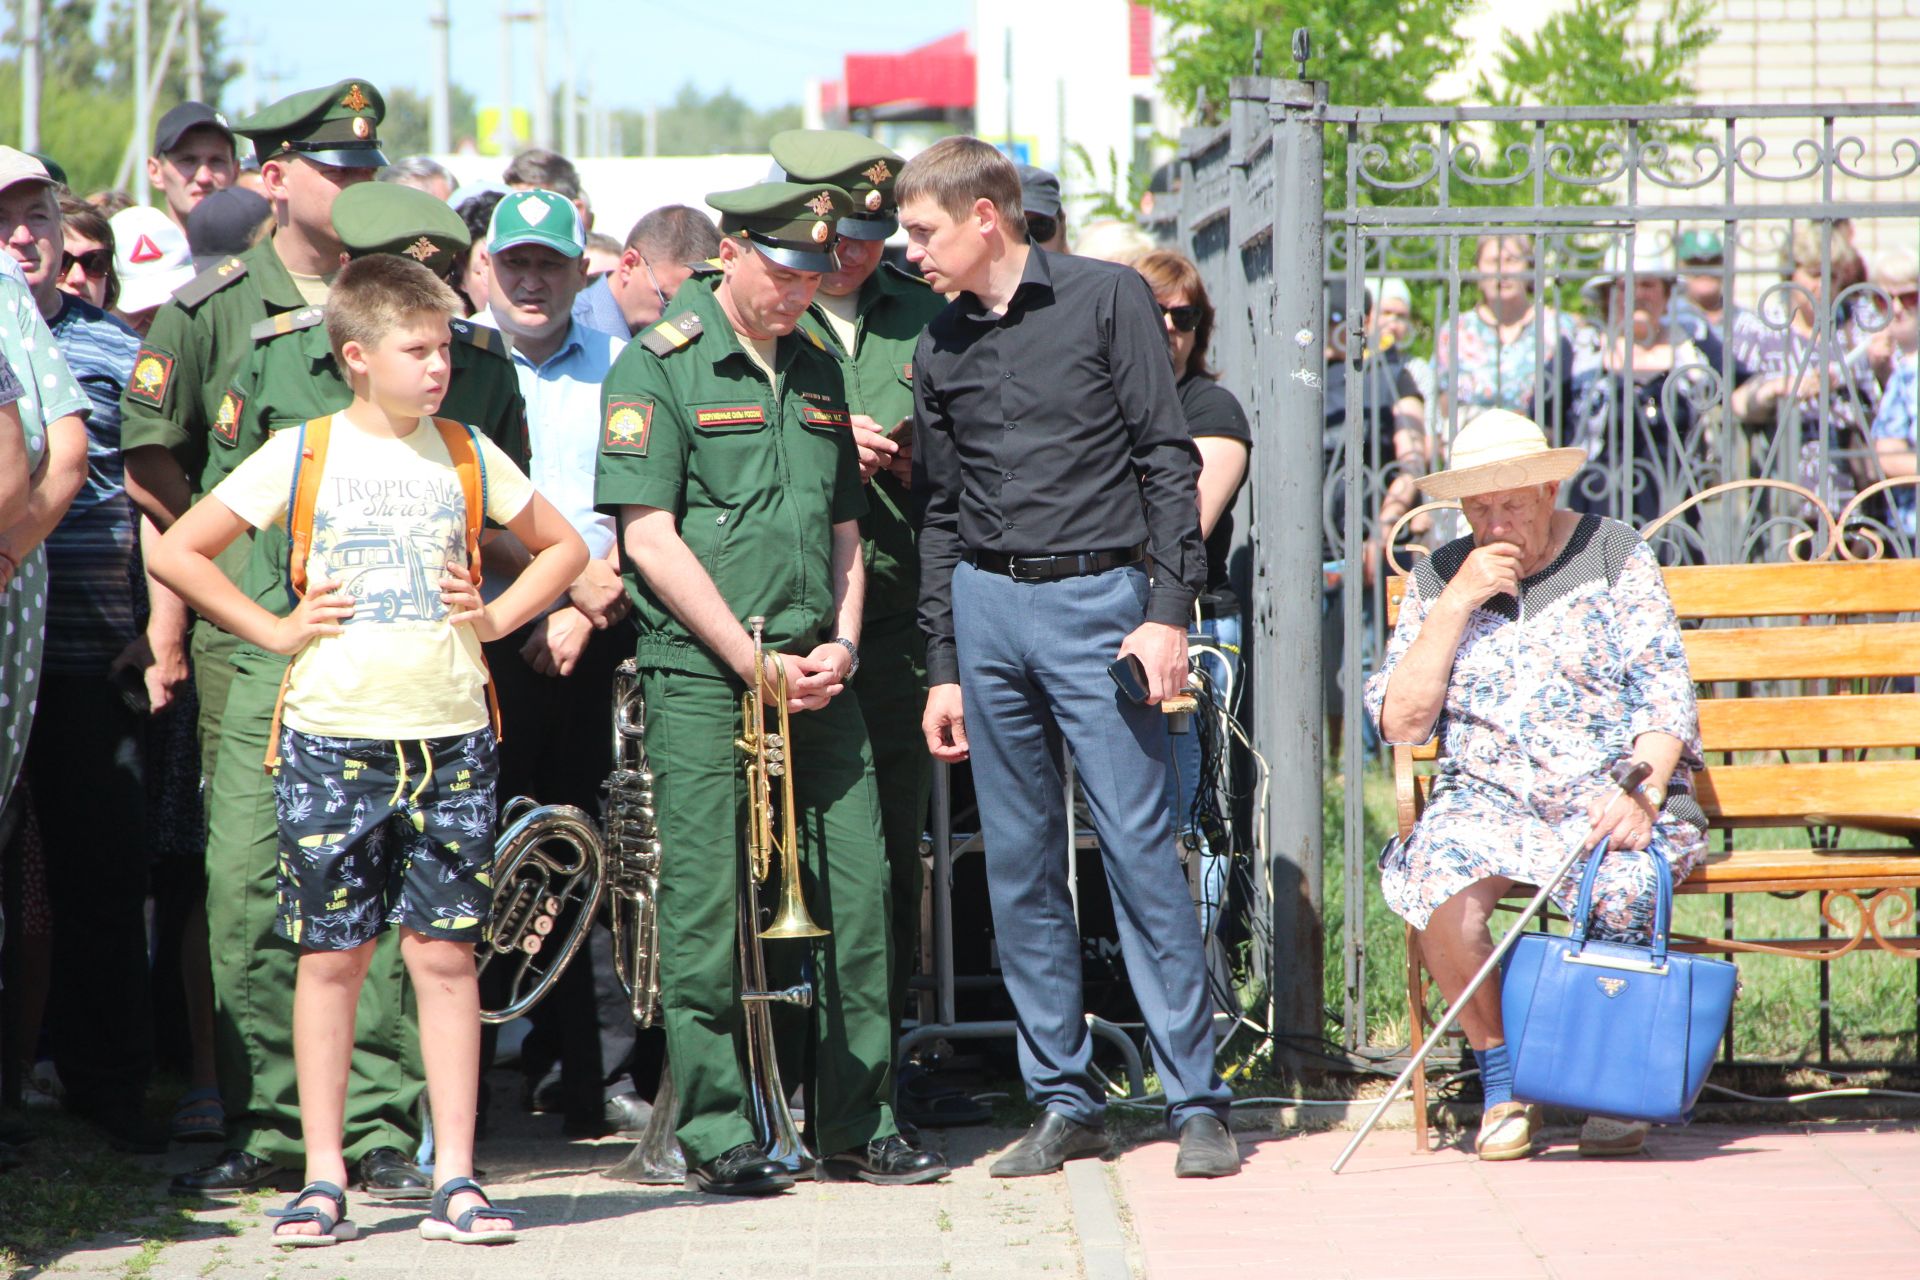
column 1033, row 659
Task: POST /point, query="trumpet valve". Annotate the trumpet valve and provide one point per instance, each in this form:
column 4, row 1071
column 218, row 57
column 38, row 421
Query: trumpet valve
column 541, row 925
column 531, row 943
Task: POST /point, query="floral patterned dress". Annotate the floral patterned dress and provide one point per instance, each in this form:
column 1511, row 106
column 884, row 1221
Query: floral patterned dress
column 1542, row 700
column 45, row 390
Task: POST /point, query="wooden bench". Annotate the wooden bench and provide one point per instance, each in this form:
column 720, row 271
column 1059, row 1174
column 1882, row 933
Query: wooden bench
column 1783, row 657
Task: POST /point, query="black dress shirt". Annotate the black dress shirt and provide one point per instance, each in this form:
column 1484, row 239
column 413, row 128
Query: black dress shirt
column 1053, row 429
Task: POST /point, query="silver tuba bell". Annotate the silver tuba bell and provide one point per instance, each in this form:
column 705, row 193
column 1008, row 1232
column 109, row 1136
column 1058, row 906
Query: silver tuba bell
column 551, row 857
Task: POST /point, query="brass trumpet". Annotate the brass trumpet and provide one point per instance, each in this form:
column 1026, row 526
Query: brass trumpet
column 766, row 755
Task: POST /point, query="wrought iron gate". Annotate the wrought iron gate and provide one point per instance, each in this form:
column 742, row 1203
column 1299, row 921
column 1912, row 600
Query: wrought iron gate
column 1538, row 252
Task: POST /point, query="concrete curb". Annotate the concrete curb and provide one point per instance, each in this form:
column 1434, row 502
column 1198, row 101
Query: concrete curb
column 1096, row 1222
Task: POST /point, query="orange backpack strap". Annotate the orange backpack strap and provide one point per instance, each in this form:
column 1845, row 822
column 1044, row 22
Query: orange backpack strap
column 309, row 467
column 463, row 448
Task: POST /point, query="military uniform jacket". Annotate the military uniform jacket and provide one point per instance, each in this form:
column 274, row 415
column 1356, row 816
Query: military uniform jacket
column 894, row 310
column 189, row 355
column 757, row 474
column 290, row 377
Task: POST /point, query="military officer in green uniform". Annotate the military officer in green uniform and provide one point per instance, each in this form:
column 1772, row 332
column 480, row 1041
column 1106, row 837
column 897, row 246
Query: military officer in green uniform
column 870, row 315
column 728, row 458
column 312, row 145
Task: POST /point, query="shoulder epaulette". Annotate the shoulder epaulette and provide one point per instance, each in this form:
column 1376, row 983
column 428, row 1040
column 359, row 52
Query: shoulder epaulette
column 707, row 267
column 288, row 322
column 901, row 273
column 483, row 336
column 209, row 282
column 669, row 336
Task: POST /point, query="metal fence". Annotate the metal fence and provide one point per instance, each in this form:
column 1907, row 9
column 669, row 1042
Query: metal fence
column 1536, row 254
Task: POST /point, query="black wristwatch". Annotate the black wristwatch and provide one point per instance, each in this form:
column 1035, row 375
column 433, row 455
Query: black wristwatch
column 853, row 651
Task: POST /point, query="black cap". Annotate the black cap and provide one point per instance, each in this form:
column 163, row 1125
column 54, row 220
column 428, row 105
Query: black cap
column 1039, row 191
column 188, row 115
column 224, row 224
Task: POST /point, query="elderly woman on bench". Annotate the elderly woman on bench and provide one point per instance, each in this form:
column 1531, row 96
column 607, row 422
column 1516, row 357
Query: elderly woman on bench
column 1541, row 649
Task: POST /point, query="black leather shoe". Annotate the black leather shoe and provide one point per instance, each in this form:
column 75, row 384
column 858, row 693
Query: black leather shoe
column 888, row 1162
column 385, row 1174
column 1051, row 1142
column 1207, row 1150
column 743, row 1171
column 233, row 1172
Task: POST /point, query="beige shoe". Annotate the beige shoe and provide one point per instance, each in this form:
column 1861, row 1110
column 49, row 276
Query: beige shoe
column 1506, row 1132
column 1600, row 1136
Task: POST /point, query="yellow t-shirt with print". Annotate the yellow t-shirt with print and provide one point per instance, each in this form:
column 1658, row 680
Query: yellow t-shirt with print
column 389, row 516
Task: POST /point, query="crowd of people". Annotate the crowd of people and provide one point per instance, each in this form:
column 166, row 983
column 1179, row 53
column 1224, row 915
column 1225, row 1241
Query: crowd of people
column 334, row 495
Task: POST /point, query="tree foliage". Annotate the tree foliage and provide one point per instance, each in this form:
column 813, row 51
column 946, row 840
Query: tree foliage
column 86, row 107
column 407, row 129
column 696, row 124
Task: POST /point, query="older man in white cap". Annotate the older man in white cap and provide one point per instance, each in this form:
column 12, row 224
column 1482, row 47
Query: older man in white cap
column 1540, row 650
column 151, row 257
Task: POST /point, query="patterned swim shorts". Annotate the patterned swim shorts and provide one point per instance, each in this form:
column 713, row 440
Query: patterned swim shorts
column 379, row 833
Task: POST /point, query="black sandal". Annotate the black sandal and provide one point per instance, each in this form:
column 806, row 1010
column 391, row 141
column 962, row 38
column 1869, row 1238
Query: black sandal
column 332, row 1229
column 438, row 1226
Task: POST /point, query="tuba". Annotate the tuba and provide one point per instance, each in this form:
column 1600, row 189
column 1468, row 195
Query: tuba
column 552, row 857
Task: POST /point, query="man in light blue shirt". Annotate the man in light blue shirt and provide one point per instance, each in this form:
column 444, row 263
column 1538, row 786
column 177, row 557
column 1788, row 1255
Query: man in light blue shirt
column 1895, row 437
column 554, row 677
column 658, row 258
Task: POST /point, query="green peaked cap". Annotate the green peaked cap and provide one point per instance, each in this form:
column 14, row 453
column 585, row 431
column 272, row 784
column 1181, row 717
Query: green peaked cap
column 385, row 217
column 857, row 164
column 791, row 223
column 338, row 125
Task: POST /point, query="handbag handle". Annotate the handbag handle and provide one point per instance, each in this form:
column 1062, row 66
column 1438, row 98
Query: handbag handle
column 1662, row 901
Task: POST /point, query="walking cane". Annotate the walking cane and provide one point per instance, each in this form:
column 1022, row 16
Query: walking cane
column 1628, row 775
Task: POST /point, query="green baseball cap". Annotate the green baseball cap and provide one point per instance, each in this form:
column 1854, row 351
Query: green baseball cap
column 856, row 164
column 338, row 125
column 545, row 218
column 1700, row 246
column 791, row 223
column 385, row 217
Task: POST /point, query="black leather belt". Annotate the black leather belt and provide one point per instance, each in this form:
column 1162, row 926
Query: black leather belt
column 1074, row 564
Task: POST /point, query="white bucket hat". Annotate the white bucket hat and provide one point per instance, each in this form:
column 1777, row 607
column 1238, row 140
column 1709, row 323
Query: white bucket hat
column 151, row 256
column 1499, row 450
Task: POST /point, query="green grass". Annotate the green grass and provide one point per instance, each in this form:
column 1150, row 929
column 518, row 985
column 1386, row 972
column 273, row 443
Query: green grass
column 1777, row 1015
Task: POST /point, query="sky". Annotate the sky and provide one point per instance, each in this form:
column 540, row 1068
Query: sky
column 635, row 53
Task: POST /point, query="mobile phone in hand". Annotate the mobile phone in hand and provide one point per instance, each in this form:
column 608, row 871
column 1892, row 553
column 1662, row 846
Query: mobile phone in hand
column 1128, row 673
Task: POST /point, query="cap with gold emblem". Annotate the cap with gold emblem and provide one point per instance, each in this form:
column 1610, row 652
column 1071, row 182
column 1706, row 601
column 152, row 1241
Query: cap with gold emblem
column 385, row 217
column 791, row 223
column 853, row 162
column 338, row 125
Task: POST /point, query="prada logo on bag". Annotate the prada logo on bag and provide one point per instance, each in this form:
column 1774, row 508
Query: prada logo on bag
column 1612, row 986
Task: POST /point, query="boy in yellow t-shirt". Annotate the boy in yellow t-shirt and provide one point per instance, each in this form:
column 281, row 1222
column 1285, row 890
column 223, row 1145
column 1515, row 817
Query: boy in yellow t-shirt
column 385, row 790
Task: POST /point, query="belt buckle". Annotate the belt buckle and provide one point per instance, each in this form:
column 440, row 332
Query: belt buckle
column 1038, row 573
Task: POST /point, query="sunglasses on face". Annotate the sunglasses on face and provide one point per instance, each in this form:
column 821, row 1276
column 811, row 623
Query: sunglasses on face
column 94, row 262
column 1186, row 319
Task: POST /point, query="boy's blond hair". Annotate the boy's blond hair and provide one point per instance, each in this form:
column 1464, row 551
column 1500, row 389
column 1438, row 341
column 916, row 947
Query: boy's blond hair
column 374, row 295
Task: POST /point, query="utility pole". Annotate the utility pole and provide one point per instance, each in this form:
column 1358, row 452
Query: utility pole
column 504, row 138
column 569, row 86
column 196, row 69
column 30, row 76
column 440, row 128
column 542, row 95
column 142, row 98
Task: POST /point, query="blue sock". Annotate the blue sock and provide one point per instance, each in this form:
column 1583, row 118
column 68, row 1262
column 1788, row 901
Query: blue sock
column 1496, row 1074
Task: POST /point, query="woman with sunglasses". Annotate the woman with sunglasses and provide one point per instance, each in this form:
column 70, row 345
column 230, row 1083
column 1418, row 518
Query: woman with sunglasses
column 1219, row 428
column 86, row 268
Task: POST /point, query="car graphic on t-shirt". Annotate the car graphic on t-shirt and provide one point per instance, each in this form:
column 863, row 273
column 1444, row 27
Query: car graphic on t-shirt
column 392, row 579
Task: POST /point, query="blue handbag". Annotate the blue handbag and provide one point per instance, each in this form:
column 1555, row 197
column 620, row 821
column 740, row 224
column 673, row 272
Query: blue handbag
column 1611, row 1028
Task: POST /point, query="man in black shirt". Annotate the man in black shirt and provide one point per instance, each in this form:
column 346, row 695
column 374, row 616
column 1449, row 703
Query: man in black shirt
column 1061, row 532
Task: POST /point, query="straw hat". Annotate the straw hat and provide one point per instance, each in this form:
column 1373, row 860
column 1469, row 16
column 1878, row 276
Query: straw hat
column 1499, row 450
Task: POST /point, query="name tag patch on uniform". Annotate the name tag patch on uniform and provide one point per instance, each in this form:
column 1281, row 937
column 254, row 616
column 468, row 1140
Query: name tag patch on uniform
column 748, row 415
column 628, row 422
column 827, row 417
column 151, row 369
column 226, row 423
